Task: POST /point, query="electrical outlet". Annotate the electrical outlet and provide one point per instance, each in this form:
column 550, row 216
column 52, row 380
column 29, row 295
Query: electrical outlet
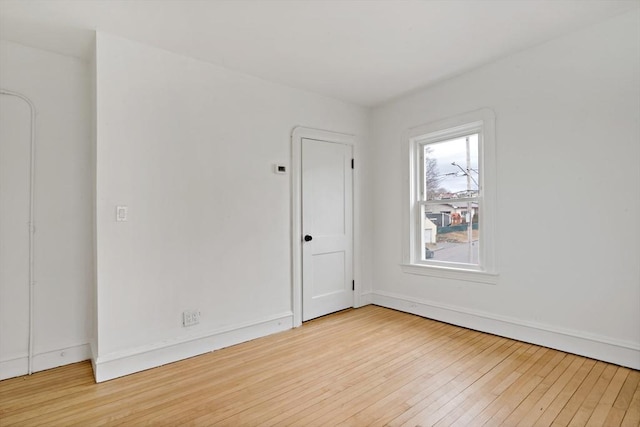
column 190, row 317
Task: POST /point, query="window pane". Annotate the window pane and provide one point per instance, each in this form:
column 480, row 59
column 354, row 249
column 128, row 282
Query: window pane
column 450, row 232
column 451, row 168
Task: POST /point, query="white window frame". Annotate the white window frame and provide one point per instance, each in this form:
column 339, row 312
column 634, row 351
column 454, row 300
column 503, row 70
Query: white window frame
column 481, row 122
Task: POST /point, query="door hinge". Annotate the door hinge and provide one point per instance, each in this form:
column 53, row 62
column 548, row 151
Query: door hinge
column 352, row 163
column 353, row 285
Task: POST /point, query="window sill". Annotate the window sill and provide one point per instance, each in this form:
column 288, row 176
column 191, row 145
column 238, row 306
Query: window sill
column 451, row 273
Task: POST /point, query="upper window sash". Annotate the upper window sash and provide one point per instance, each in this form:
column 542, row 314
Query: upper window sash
column 460, row 200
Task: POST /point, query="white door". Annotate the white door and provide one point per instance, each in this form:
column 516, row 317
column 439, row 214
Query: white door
column 327, row 228
column 14, row 234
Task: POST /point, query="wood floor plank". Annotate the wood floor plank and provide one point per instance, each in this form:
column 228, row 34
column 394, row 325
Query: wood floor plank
column 534, row 387
column 623, row 400
column 389, row 386
column 632, row 415
column 550, row 395
column 364, row 367
column 394, row 401
column 454, row 381
column 587, row 407
column 545, row 379
column 436, row 414
column 567, row 392
column 344, row 396
column 568, row 412
column 484, row 388
column 502, row 407
column 608, row 398
column 416, row 370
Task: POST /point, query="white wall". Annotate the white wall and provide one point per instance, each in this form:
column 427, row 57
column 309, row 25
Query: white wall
column 189, row 148
column 58, row 87
column 567, row 135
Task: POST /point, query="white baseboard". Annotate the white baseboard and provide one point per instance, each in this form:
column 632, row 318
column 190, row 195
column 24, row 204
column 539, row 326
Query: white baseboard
column 576, row 342
column 364, row 299
column 14, row 368
column 114, row 365
column 43, row 361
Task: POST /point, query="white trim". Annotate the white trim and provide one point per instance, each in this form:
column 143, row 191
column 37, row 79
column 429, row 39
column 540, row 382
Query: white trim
column 118, row 364
column 451, row 273
column 42, row 361
column 620, row 352
column 94, row 354
column 363, row 300
column 31, row 223
column 482, row 121
column 298, row 134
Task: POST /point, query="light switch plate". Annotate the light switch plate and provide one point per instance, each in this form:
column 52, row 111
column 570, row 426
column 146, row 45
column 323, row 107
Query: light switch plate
column 122, row 213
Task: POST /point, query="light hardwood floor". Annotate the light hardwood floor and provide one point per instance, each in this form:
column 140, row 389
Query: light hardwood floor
column 370, row 366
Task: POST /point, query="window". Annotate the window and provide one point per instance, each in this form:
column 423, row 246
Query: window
column 451, row 176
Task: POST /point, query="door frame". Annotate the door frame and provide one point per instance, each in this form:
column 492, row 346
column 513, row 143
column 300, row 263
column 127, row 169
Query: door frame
column 299, row 133
column 31, row 223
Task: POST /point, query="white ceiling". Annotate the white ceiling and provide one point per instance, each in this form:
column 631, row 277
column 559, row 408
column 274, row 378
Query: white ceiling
column 364, row 52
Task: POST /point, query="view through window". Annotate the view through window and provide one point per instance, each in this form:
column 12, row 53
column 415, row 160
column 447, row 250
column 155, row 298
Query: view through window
column 450, row 200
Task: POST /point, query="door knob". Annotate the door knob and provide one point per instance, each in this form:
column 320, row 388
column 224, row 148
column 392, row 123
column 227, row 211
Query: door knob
column 308, row 238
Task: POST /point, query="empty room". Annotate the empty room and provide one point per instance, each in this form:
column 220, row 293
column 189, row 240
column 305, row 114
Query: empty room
column 319, row 212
